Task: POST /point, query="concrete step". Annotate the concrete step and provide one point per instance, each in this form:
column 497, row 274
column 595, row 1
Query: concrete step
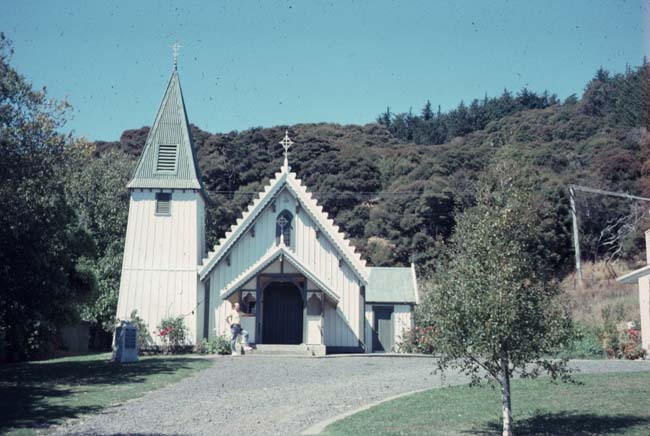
column 302, row 350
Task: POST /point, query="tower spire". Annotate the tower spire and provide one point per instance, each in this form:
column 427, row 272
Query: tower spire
column 168, row 159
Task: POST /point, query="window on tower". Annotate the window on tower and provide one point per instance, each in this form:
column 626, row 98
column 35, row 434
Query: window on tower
column 163, row 203
column 167, row 156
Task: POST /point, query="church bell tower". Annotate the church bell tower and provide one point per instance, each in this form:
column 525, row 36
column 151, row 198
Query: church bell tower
column 165, row 237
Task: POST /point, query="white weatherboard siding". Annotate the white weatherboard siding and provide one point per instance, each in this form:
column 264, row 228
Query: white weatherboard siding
column 159, row 269
column 341, row 324
column 644, row 304
column 248, row 324
column 402, row 321
column 369, row 320
column 314, row 330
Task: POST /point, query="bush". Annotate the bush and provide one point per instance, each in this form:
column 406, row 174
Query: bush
column 619, row 343
column 217, row 345
column 586, row 345
column 144, row 339
column 418, row 340
column 173, row 333
column 631, row 345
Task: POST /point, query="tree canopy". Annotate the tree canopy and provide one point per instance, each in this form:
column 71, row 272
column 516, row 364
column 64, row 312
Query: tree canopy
column 40, row 243
column 494, row 306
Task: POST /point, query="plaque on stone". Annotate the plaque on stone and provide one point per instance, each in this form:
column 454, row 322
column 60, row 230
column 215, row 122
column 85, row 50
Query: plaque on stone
column 125, row 347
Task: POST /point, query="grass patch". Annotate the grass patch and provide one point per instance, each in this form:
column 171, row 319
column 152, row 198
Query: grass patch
column 37, row 395
column 599, row 405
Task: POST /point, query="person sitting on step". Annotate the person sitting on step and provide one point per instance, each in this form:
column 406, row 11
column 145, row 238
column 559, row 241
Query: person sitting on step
column 234, row 321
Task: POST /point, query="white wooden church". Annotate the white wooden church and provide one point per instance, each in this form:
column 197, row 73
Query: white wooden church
column 286, row 263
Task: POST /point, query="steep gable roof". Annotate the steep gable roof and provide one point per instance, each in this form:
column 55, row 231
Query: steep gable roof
column 288, row 180
column 264, row 261
column 168, row 159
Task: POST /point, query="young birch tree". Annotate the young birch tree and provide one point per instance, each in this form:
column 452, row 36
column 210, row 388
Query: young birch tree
column 494, row 304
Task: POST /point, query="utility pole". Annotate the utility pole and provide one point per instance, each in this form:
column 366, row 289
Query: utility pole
column 574, row 217
column 576, row 240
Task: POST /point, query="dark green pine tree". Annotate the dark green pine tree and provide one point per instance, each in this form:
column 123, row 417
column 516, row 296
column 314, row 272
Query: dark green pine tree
column 385, row 118
column 427, row 113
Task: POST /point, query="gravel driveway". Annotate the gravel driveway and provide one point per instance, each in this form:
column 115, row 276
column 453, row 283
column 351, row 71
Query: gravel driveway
column 258, row 395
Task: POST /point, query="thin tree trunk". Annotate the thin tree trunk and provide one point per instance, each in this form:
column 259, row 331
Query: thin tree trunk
column 505, row 395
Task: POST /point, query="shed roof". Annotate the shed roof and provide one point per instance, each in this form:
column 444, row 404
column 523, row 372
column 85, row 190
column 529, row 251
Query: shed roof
column 169, row 128
column 392, row 285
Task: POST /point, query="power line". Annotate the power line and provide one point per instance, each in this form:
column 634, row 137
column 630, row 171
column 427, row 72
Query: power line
column 574, row 216
column 321, row 194
column 610, row 193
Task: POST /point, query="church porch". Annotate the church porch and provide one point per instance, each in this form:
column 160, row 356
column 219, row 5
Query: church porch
column 282, row 308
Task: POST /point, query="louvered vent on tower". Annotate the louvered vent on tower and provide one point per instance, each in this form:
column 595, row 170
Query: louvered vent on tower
column 163, row 203
column 167, row 156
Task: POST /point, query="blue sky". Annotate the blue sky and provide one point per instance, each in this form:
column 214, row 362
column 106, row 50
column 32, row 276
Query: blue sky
column 264, row 63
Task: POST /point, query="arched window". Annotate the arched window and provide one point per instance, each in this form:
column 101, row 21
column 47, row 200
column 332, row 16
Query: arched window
column 283, row 227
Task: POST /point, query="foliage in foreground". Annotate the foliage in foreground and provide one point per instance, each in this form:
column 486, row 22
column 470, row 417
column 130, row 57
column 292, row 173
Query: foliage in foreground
column 419, row 339
column 173, row 333
column 215, row 345
column 602, row 404
column 144, row 338
column 41, row 246
column 96, row 189
column 495, row 306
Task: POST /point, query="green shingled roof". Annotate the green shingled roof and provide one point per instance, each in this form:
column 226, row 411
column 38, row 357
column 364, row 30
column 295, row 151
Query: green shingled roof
column 391, row 285
column 170, row 128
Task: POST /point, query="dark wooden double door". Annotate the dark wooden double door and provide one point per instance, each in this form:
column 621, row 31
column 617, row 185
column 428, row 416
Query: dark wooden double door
column 282, row 314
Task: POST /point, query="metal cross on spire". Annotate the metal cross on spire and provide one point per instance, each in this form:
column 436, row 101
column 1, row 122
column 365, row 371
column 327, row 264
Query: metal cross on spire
column 176, row 47
column 286, row 143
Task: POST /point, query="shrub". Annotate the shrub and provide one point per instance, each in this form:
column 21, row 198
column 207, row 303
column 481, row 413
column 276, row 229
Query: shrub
column 586, row 345
column 619, row 343
column 420, row 339
column 144, row 339
column 217, row 345
column 173, row 333
column 631, row 345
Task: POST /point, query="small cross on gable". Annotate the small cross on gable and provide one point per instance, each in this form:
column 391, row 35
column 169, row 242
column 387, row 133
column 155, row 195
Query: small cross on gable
column 286, row 143
column 176, row 48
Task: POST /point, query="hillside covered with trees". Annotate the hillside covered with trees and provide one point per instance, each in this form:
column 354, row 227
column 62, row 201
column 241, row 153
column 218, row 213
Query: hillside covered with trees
column 394, row 186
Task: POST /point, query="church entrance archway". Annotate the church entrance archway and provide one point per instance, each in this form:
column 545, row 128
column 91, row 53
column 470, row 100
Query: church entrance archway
column 282, row 314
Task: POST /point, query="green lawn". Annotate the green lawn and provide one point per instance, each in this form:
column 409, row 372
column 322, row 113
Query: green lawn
column 599, row 405
column 36, row 395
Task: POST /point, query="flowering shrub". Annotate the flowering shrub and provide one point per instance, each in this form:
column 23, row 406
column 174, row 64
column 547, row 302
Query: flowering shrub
column 173, row 333
column 420, row 339
column 631, row 345
column 619, row 342
column 216, row 345
column 622, row 344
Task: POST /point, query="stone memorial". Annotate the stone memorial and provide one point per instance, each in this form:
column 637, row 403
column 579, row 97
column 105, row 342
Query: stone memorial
column 125, row 348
